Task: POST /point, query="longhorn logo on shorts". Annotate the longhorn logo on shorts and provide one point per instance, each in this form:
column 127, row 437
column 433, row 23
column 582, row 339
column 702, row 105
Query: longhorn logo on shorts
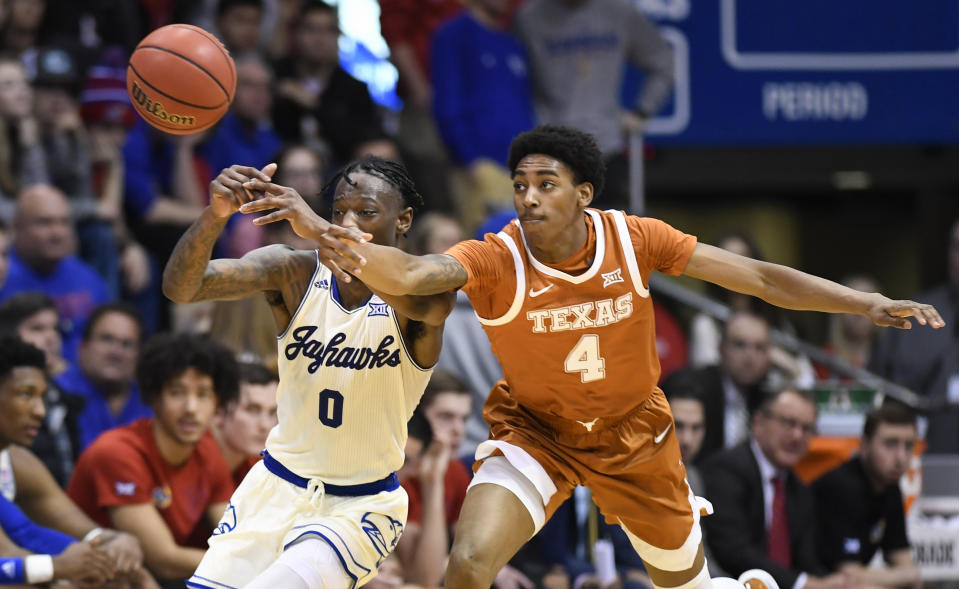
column 588, row 424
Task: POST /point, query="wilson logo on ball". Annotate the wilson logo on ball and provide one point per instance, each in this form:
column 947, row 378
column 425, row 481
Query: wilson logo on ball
column 155, row 108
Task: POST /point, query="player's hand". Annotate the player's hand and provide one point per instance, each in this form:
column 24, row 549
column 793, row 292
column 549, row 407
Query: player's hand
column 123, row 548
column 887, row 312
column 335, row 243
column 227, row 193
column 510, row 578
column 84, row 564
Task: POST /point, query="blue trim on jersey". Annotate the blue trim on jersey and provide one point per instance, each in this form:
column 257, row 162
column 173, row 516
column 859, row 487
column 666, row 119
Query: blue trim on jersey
column 335, row 295
column 306, row 294
column 388, row 483
column 216, row 584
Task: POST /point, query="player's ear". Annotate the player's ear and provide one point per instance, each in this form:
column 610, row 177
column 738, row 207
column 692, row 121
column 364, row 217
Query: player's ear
column 584, row 194
column 404, row 220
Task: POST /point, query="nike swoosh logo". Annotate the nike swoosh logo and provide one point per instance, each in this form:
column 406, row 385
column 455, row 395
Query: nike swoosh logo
column 662, row 434
column 536, row 293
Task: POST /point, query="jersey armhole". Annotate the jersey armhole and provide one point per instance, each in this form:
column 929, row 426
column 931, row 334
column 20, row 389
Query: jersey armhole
column 520, row 285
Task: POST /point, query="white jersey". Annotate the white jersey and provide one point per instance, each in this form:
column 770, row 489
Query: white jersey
column 347, row 388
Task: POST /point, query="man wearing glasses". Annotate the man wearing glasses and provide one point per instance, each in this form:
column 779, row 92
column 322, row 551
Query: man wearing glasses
column 764, row 517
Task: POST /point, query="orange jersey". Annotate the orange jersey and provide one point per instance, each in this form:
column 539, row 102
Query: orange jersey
column 575, row 339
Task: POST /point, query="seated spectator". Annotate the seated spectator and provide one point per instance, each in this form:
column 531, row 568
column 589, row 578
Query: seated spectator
column 31, row 554
column 481, row 100
column 764, row 516
column 33, row 317
column 163, row 479
column 732, row 390
column 4, row 252
column 23, row 478
column 437, row 490
column 20, row 30
column 851, row 337
column 238, row 25
column 42, row 260
column 685, row 398
column 317, row 101
column 860, row 505
column 245, row 136
column 22, row 161
column 104, row 374
column 241, row 426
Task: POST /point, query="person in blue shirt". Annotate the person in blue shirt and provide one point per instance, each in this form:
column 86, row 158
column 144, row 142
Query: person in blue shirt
column 43, row 260
column 105, row 371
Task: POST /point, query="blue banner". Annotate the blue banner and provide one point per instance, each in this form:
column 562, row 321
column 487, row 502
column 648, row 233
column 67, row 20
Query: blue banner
column 812, row 72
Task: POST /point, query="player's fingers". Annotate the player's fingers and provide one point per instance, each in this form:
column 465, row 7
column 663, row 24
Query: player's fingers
column 267, row 172
column 261, row 204
column 337, row 271
column 270, row 218
column 932, row 316
column 342, row 247
column 349, row 233
column 342, row 262
column 248, row 172
column 267, row 187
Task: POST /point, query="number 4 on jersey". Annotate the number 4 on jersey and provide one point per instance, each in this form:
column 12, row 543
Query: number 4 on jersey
column 584, row 358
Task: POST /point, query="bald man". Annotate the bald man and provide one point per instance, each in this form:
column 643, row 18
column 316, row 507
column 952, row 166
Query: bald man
column 42, row 259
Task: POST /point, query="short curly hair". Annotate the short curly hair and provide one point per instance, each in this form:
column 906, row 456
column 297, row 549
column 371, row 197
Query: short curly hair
column 576, row 149
column 166, row 356
column 15, row 353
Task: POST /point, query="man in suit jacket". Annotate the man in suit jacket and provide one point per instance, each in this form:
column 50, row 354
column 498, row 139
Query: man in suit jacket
column 732, row 389
column 764, row 517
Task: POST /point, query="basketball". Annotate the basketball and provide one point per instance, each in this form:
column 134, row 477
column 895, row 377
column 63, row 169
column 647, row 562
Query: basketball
column 181, row 79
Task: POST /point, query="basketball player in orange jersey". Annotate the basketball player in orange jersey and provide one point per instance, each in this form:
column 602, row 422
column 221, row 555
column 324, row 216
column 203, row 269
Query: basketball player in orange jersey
column 563, row 295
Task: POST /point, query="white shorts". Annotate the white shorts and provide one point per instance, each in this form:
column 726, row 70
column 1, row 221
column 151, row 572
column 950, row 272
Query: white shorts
column 267, row 514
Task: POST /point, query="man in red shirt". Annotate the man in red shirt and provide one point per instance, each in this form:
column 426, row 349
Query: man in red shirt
column 163, row 478
column 240, row 427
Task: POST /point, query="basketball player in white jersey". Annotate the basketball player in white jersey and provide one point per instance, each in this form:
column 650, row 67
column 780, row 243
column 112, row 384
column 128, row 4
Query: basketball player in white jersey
column 323, row 508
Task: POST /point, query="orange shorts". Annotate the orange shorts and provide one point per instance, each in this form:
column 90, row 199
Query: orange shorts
column 631, row 464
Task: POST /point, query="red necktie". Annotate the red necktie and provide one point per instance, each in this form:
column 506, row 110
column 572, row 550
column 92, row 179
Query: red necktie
column 778, row 538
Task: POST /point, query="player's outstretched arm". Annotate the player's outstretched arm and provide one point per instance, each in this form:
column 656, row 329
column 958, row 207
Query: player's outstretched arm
column 191, row 276
column 384, row 269
column 792, row 289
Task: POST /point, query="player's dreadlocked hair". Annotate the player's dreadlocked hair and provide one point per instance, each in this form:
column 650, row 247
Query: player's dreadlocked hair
column 576, row 149
column 393, row 173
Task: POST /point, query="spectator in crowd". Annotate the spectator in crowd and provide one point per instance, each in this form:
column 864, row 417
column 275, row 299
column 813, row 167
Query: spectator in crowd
column 928, row 363
column 245, row 136
column 860, row 507
column 163, row 479
column 22, row 161
column 238, row 26
column 108, row 115
column 437, row 491
column 481, row 100
column 577, row 53
column 4, row 253
column 241, row 426
column 35, row 555
column 105, row 370
column 21, row 29
column 685, row 395
column 317, row 101
column 851, row 339
column 33, row 317
column 23, row 478
column 765, row 517
column 733, row 389
column 43, row 261
column 408, row 27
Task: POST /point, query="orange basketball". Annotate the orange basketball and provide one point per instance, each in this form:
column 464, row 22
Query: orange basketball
column 181, row 79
